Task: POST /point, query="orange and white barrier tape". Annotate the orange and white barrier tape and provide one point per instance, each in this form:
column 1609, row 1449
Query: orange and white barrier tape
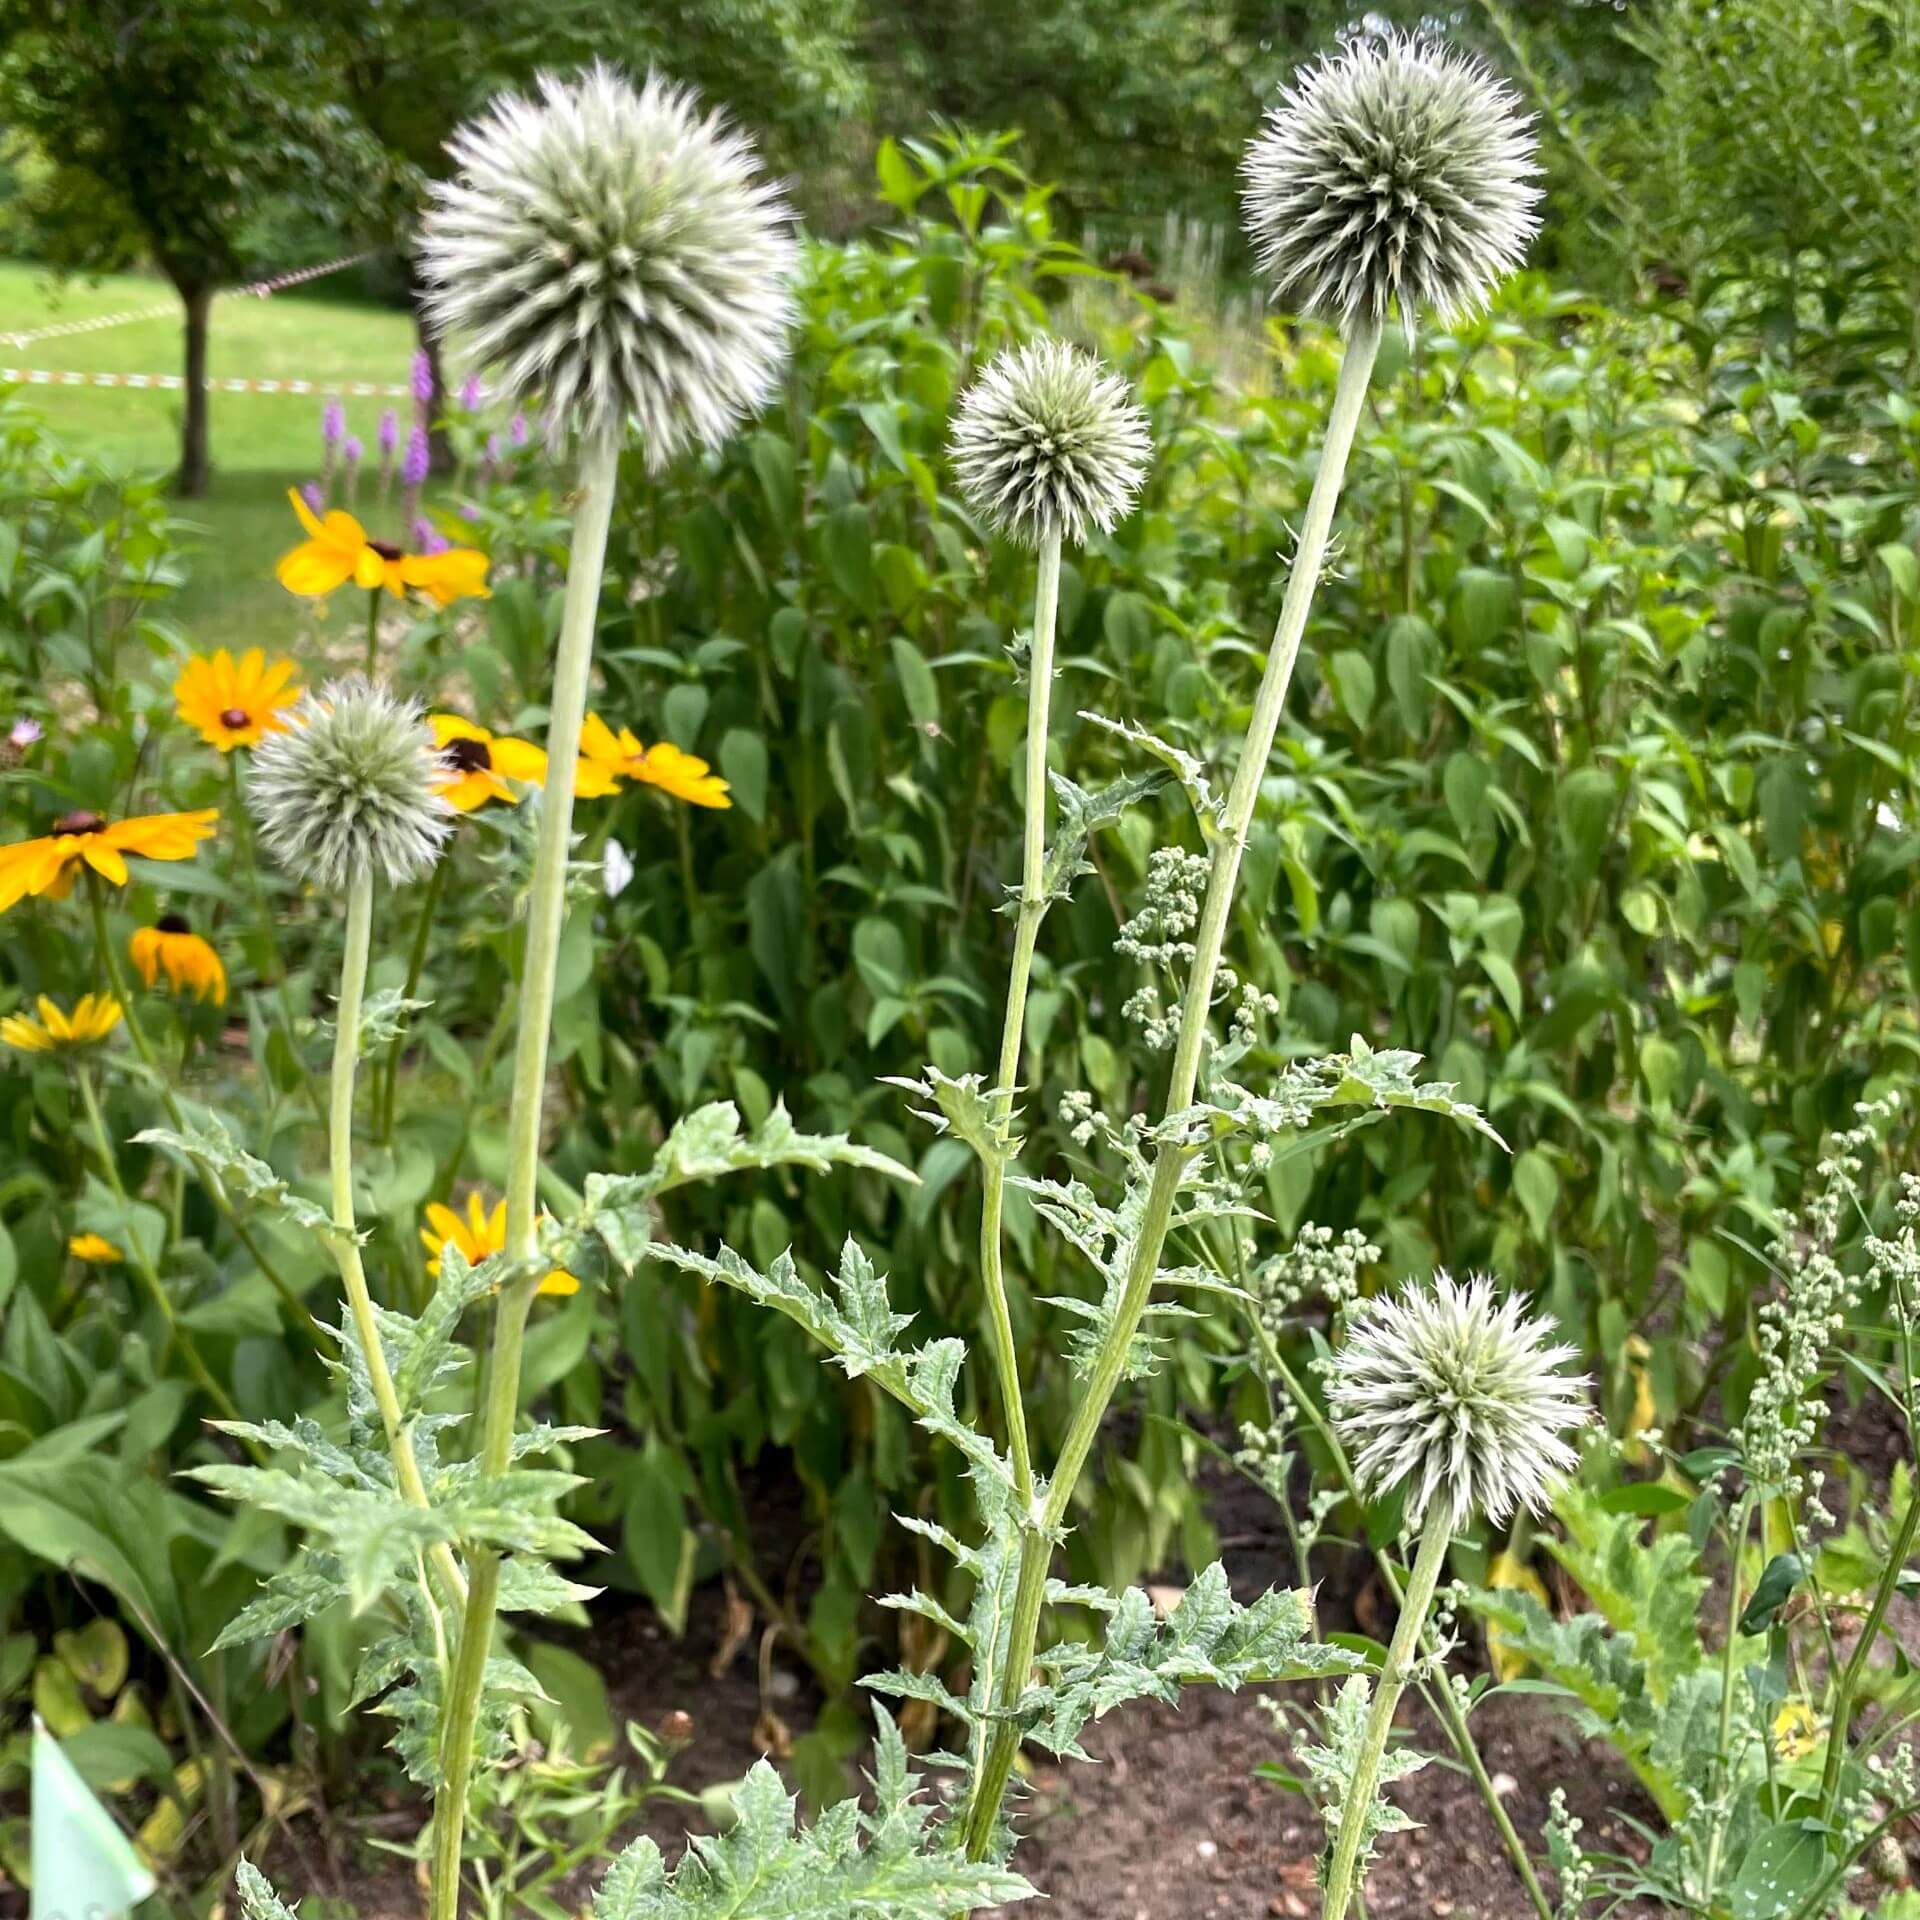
column 173, row 382
column 256, row 290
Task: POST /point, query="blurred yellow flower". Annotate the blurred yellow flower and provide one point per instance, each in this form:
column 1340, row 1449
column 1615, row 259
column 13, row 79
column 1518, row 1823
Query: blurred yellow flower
column 47, row 865
column 338, row 549
column 480, row 1235
column 94, row 1016
column 1796, row 1731
column 233, row 702
column 479, row 764
column 607, row 758
column 169, row 946
column 94, row 1250
column 1508, row 1570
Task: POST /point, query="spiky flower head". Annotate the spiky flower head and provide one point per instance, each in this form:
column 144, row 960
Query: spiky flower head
column 617, row 249
column 353, row 786
column 1393, row 173
column 1457, row 1396
column 1048, row 441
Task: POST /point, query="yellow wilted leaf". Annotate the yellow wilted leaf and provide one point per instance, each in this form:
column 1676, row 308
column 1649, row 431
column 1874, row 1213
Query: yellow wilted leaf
column 166, row 1825
column 96, row 1656
column 1510, row 1571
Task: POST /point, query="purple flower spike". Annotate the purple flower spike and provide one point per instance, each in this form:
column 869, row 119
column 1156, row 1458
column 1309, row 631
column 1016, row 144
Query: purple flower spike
column 419, row 458
column 333, row 423
column 422, row 379
column 517, row 430
column 472, row 393
column 493, row 448
column 428, row 538
column 314, row 498
column 351, row 450
column 389, row 431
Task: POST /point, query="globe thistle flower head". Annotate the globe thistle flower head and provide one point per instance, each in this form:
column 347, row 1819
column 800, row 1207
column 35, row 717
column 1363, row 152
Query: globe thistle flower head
column 616, row 249
column 1457, row 1396
column 352, row 787
column 1394, row 173
column 1047, row 441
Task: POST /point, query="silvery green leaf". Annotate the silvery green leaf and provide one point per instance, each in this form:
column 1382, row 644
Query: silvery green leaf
column 206, row 1141
column 1187, row 768
column 967, row 1108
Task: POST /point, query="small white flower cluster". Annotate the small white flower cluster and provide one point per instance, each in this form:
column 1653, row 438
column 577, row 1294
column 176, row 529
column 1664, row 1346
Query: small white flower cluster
column 1243, row 1027
column 1572, row 1866
column 1156, row 937
column 1796, row 1329
column 1318, row 1266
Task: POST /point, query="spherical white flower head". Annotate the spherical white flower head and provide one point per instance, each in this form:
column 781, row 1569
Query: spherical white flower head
column 1458, row 1397
column 352, row 786
column 1047, row 441
column 617, row 250
column 1395, row 172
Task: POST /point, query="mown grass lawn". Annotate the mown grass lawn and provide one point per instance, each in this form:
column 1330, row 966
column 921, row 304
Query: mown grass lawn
column 262, row 443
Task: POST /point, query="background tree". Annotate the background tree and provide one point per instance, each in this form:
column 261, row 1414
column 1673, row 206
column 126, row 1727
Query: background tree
column 162, row 126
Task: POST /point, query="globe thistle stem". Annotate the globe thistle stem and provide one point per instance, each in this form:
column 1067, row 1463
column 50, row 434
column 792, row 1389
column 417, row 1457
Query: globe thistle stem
column 1109, row 1362
column 546, row 920
column 1435, row 1537
column 346, row 1247
column 1033, row 909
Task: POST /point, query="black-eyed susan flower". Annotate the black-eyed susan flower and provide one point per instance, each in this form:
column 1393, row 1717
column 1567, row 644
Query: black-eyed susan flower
column 232, row 703
column 338, row 549
column 47, row 866
column 94, row 1016
column 607, row 758
column 353, row 785
column 95, row 1249
column 480, row 764
column 479, row 1235
column 190, row 964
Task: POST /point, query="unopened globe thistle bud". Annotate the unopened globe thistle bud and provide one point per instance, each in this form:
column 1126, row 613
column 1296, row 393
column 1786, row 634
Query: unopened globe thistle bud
column 1394, row 173
column 617, row 250
column 351, row 787
column 1047, row 441
column 1457, row 1397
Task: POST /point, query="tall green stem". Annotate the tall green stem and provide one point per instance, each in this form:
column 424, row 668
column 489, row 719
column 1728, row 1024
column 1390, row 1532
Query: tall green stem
column 1856, row 1665
column 346, row 1246
column 546, row 920
column 373, row 632
column 1033, row 909
column 416, row 966
column 1364, row 1781
column 1223, row 876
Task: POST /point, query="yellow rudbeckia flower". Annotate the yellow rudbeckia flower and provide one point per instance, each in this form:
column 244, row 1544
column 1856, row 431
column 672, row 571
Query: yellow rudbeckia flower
column 95, row 1250
column 479, row 764
column 480, row 1235
column 338, row 549
column 47, row 865
column 191, row 965
column 607, row 758
column 232, row 703
column 94, row 1016
column 1795, row 1731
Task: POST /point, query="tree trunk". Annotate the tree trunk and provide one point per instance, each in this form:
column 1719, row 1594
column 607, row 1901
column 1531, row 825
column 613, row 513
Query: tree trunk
column 196, row 464
column 439, row 445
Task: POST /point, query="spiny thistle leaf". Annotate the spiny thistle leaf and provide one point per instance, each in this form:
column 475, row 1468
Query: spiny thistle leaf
column 1331, row 1769
column 967, row 1108
column 1082, row 815
column 846, row 1866
column 1187, row 768
column 205, row 1139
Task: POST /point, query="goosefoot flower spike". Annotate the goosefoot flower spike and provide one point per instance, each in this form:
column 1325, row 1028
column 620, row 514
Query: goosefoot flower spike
column 1459, row 1397
column 1393, row 173
column 617, row 249
column 353, row 786
column 1048, row 442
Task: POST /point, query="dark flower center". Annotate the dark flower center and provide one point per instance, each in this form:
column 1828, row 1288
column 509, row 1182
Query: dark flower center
column 235, row 718
column 385, row 550
column 79, row 822
column 467, row 756
column 172, row 923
